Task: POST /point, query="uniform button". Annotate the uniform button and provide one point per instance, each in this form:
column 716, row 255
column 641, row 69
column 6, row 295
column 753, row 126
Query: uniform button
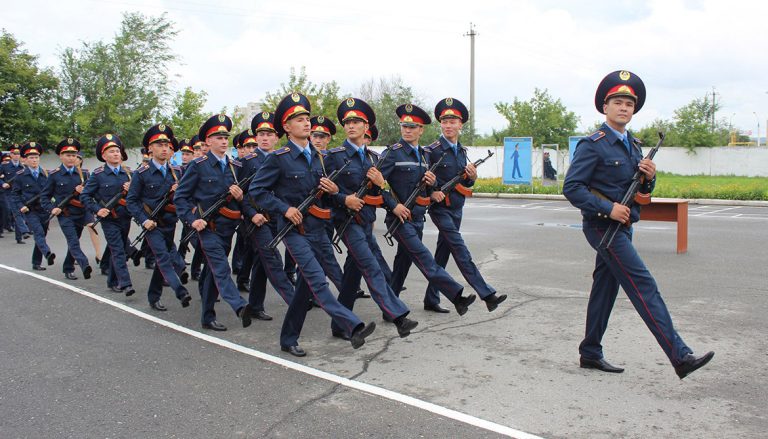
column 617, row 163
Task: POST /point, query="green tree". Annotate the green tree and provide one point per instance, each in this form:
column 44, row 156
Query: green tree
column 188, row 114
column 384, row 96
column 543, row 118
column 27, row 96
column 122, row 86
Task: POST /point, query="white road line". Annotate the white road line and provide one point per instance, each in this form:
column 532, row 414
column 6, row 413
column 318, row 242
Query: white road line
column 346, row 382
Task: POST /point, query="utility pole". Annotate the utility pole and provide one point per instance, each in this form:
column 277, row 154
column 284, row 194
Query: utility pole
column 471, row 34
column 713, row 108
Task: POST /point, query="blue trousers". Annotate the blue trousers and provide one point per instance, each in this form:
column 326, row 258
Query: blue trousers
column 116, row 235
column 450, row 243
column 621, row 265
column 410, row 249
column 168, row 264
column 35, row 220
column 357, row 240
column 20, row 226
column 267, row 264
column 306, row 250
column 72, row 228
column 217, row 281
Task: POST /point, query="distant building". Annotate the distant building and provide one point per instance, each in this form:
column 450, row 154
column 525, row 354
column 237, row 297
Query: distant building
column 245, row 114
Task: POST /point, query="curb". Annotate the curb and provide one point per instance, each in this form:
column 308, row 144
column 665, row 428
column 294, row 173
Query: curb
column 746, row 203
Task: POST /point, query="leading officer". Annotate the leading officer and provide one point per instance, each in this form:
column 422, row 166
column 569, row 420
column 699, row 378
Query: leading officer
column 601, row 172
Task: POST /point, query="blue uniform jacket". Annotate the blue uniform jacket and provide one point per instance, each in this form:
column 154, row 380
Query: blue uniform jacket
column 251, row 164
column 285, row 180
column 202, row 184
column 350, row 179
column 601, row 163
column 25, row 187
column 451, row 165
column 101, row 186
column 403, row 169
column 60, row 185
column 149, row 187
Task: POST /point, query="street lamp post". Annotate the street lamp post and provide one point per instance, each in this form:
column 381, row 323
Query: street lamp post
column 757, row 118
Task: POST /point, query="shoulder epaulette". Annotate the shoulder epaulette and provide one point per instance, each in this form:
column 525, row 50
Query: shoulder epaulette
column 98, row 170
column 249, row 157
column 202, row 158
column 53, row 171
column 434, row 144
column 637, row 141
column 338, row 149
column 237, row 163
column 20, row 171
column 597, row 135
column 397, row 146
column 374, row 153
column 323, row 152
column 142, row 168
column 282, row 150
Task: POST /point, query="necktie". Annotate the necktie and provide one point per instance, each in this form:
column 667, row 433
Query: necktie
column 117, row 171
column 34, row 174
column 223, row 165
column 453, row 147
column 626, row 143
column 163, row 171
column 362, row 154
column 308, row 156
column 418, row 156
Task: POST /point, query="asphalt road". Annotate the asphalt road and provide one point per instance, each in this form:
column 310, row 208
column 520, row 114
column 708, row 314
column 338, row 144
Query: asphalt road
column 71, row 366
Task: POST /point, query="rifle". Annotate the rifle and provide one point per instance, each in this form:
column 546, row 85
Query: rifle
column 61, row 205
column 134, row 253
column 452, row 183
column 32, row 200
column 360, row 193
column 209, row 213
column 631, row 196
column 410, row 202
column 108, row 205
column 303, row 208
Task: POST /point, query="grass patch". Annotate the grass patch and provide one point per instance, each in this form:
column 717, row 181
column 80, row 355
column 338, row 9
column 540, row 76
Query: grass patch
column 667, row 186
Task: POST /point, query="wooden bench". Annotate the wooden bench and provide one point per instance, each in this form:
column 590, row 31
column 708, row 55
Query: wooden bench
column 670, row 209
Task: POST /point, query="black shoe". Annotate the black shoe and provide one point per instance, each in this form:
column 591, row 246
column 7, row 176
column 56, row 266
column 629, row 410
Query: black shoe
column 166, row 284
column 405, row 325
column 260, row 315
column 185, row 300
column 98, row 261
column 339, row 334
column 19, row 241
column 235, row 271
column 87, row 272
column 600, row 364
column 358, row 337
column 493, row 301
column 158, row 306
column 214, row 326
column 387, row 318
column 195, row 277
column 38, row 268
column 70, row 276
column 403, row 288
column 116, row 289
column 26, row 235
column 149, row 266
column 436, row 308
column 462, row 304
column 104, row 271
column 363, row 295
column 690, row 363
column 245, row 315
column 294, row 350
column 242, row 286
column 50, row 257
column 129, row 291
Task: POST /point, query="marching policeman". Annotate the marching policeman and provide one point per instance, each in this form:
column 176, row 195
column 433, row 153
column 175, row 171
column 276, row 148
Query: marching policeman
column 356, row 116
column 287, row 177
column 27, row 192
column 600, row 174
column 207, row 179
column 446, row 209
column 153, row 184
column 197, row 256
column 9, row 171
column 110, row 182
column 187, row 154
column 260, row 263
column 65, row 183
column 405, row 167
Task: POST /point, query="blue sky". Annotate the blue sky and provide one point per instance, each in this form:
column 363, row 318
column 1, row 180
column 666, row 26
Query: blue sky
column 680, row 48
